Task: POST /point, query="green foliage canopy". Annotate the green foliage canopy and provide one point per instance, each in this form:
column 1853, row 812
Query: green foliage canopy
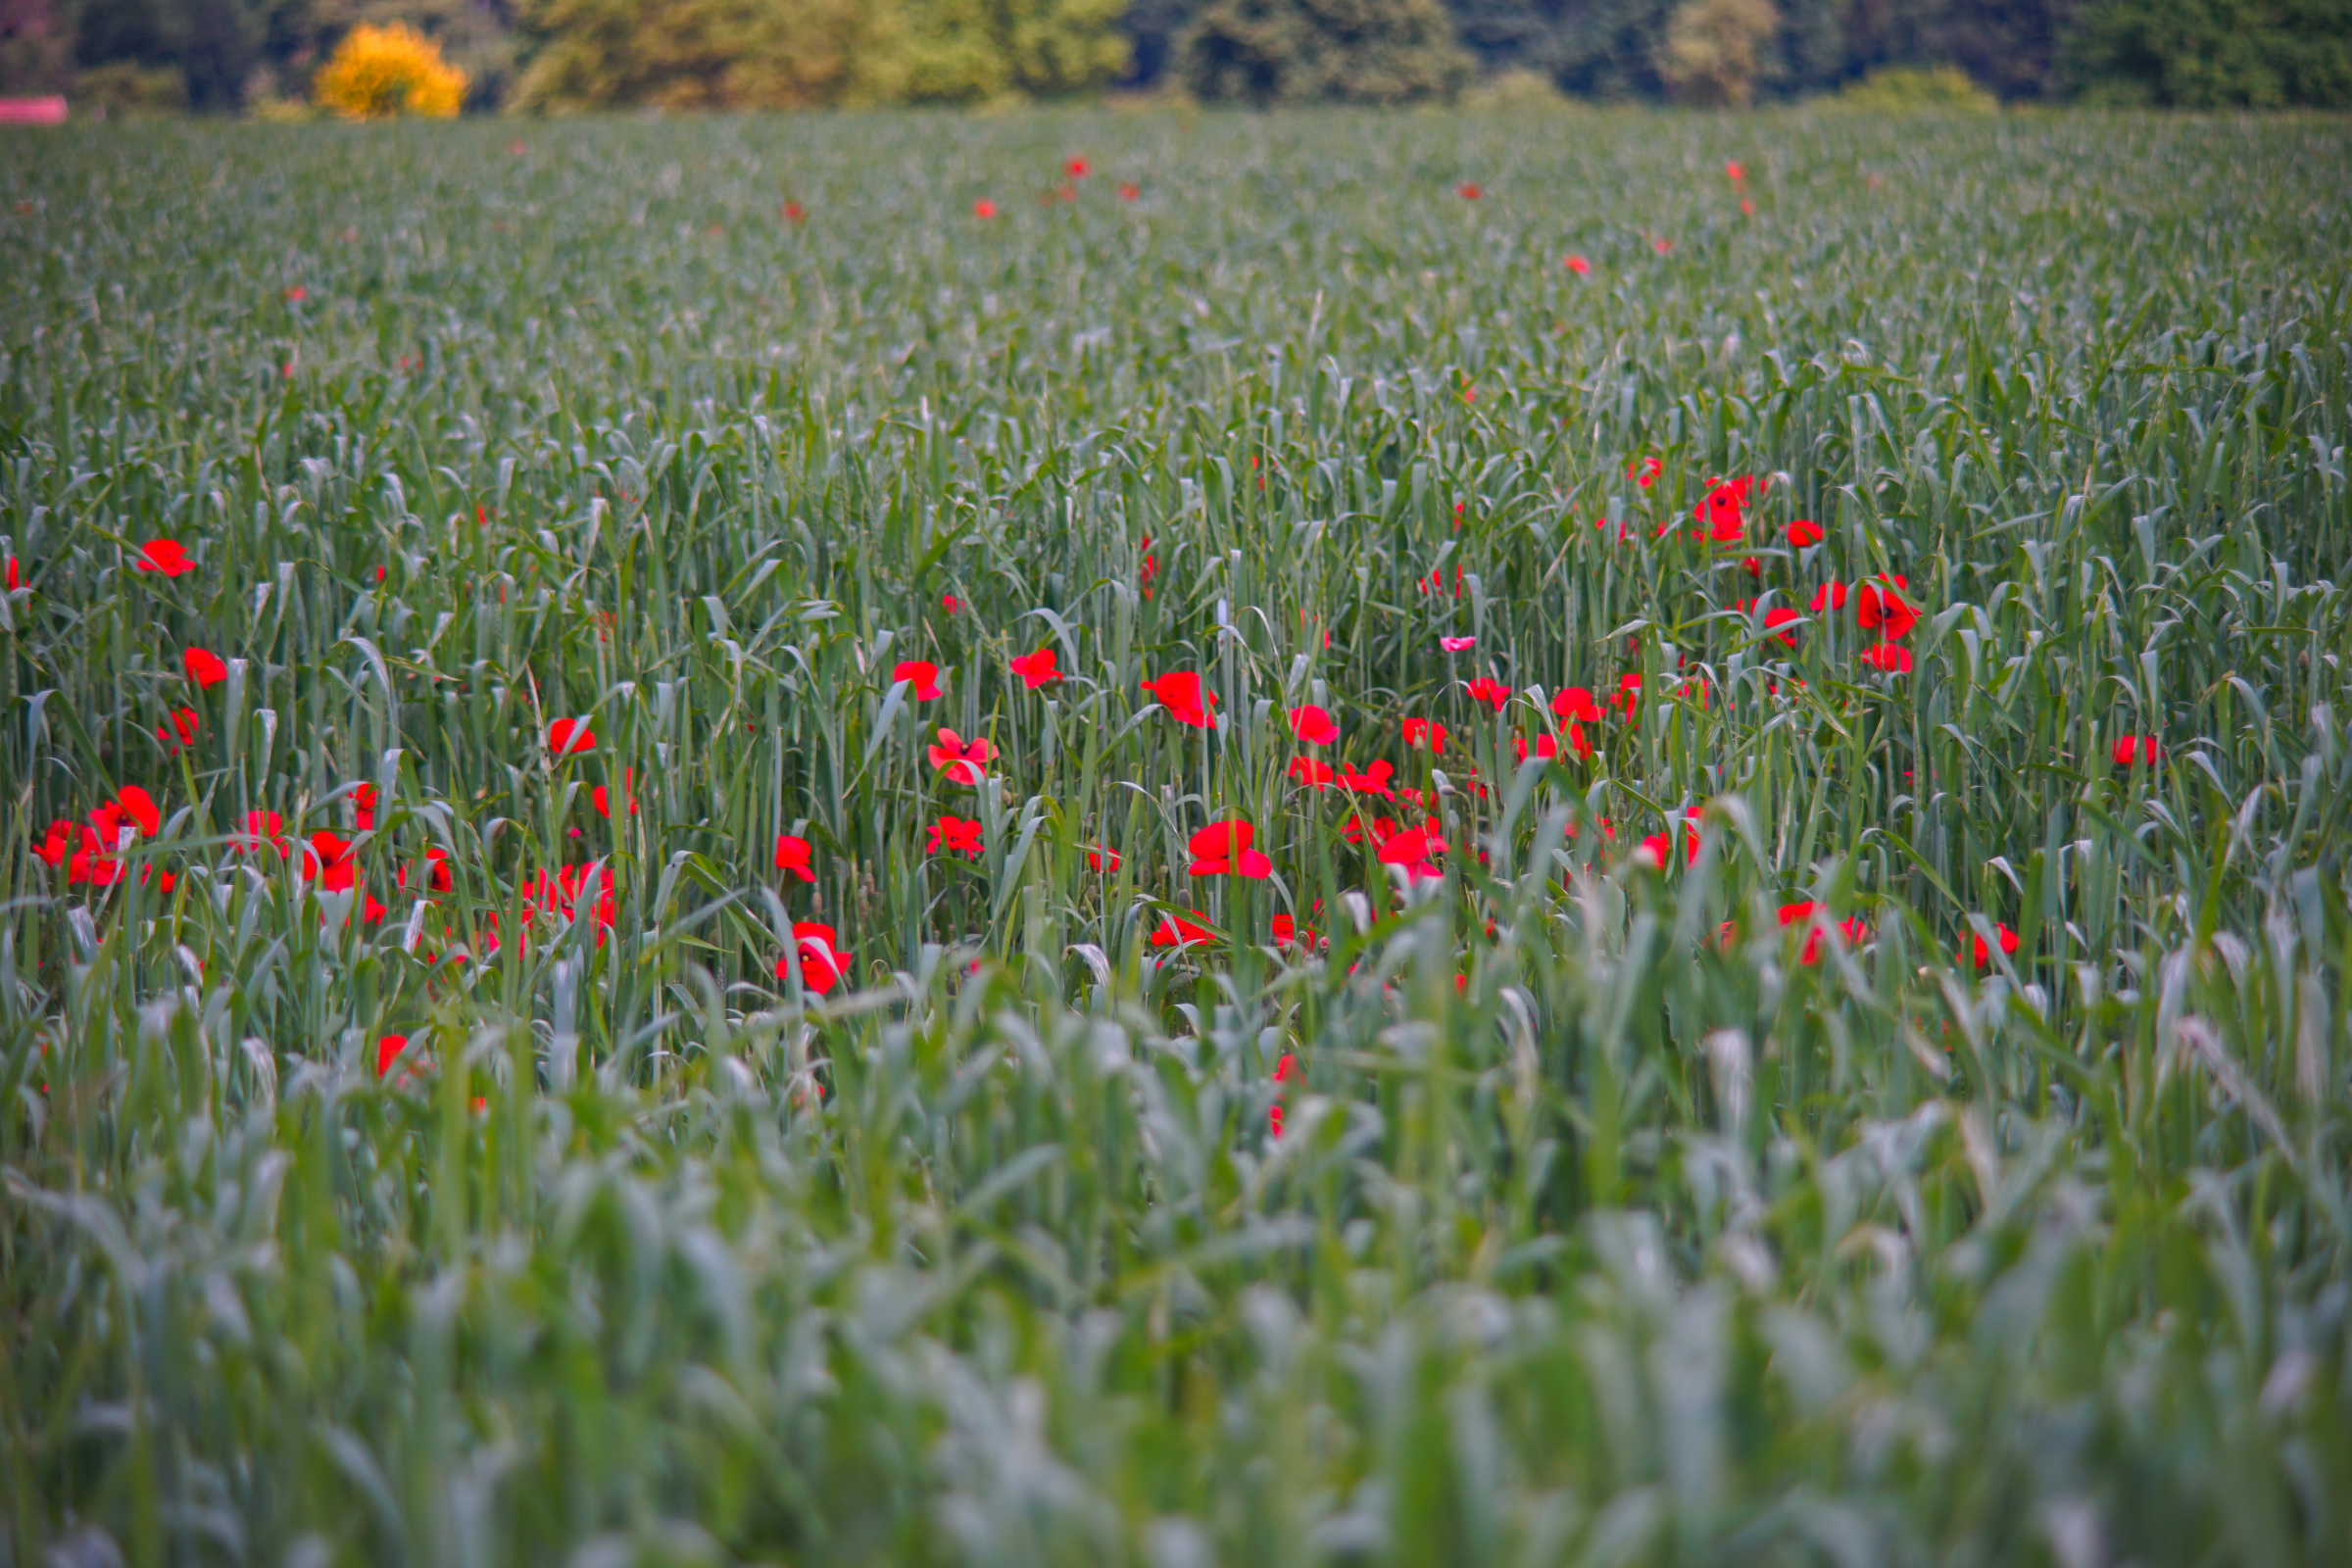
column 764, row 55
column 2207, row 53
column 1322, row 51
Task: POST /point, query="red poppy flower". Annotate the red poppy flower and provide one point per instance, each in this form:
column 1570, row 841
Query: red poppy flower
column 1488, row 690
column 1411, row 849
column 794, row 212
column 1457, row 645
column 1736, row 172
column 1099, row 859
column 628, row 790
column 164, row 556
column 1973, row 946
column 1288, row 932
column 1175, row 931
column 1644, row 471
column 1654, row 850
column 204, row 669
column 1546, row 746
column 1468, row 192
column 823, row 960
column 139, row 806
column 1829, row 596
column 2128, row 750
column 1421, row 732
column 1884, row 610
column 1431, row 584
column 1774, row 618
column 86, row 865
column 1579, row 743
column 1577, row 264
column 1627, row 693
column 1313, row 726
column 1077, row 168
column 184, row 722
column 1150, row 567
column 950, row 602
column 1374, row 780
column 1854, row 930
column 956, row 835
column 327, row 860
column 962, row 762
column 921, row 674
column 1222, row 848
column 362, row 807
column 559, row 896
column 1311, row 773
column 438, row 859
column 1893, row 657
column 1037, row 669
column 1724, row 509
column 164, row 883
column 1576, row 703
column 387, row 1051
column 1803, row 534
column 792, row 856
column 984, row 209
column 261, row 827
column 1184, row 698
column 15, row 581
column 1380, row 829
column 1129, row 191
column 1662, row 246
column 569, row 736
column 57, row 841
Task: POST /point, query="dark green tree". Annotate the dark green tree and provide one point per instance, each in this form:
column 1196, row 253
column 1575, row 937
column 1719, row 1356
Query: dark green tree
column 1323, row 51
column 2199, row 54
column 1509, row 34
column 1610, row 48
column 1153, row 29
column 213, row 44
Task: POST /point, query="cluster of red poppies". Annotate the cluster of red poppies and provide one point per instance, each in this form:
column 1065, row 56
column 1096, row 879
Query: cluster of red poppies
column 1882, row 605
column 87, row 852
column 90, row 852
column 985, row 208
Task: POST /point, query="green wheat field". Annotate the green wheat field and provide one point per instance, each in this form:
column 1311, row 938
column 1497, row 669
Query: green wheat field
column 1664, row 880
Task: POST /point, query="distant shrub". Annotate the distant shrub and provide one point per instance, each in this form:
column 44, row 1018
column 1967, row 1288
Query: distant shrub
column 1906, row 89
column 1323, row 51
column 1517, row 91
column 124, row 88
column 1713, row 50
column 379, row 73
column 753, row 54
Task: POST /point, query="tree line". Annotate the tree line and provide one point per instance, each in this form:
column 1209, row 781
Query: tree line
column 559, row 55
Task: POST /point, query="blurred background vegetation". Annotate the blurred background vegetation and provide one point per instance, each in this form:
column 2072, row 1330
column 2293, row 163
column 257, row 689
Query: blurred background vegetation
column 226, row 55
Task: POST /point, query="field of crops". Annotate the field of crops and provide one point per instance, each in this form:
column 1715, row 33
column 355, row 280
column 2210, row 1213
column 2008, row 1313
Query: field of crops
column 1103, row 839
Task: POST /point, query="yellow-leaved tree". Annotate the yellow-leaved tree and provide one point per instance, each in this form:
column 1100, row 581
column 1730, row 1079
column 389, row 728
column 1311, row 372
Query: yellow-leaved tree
column 377, row 72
